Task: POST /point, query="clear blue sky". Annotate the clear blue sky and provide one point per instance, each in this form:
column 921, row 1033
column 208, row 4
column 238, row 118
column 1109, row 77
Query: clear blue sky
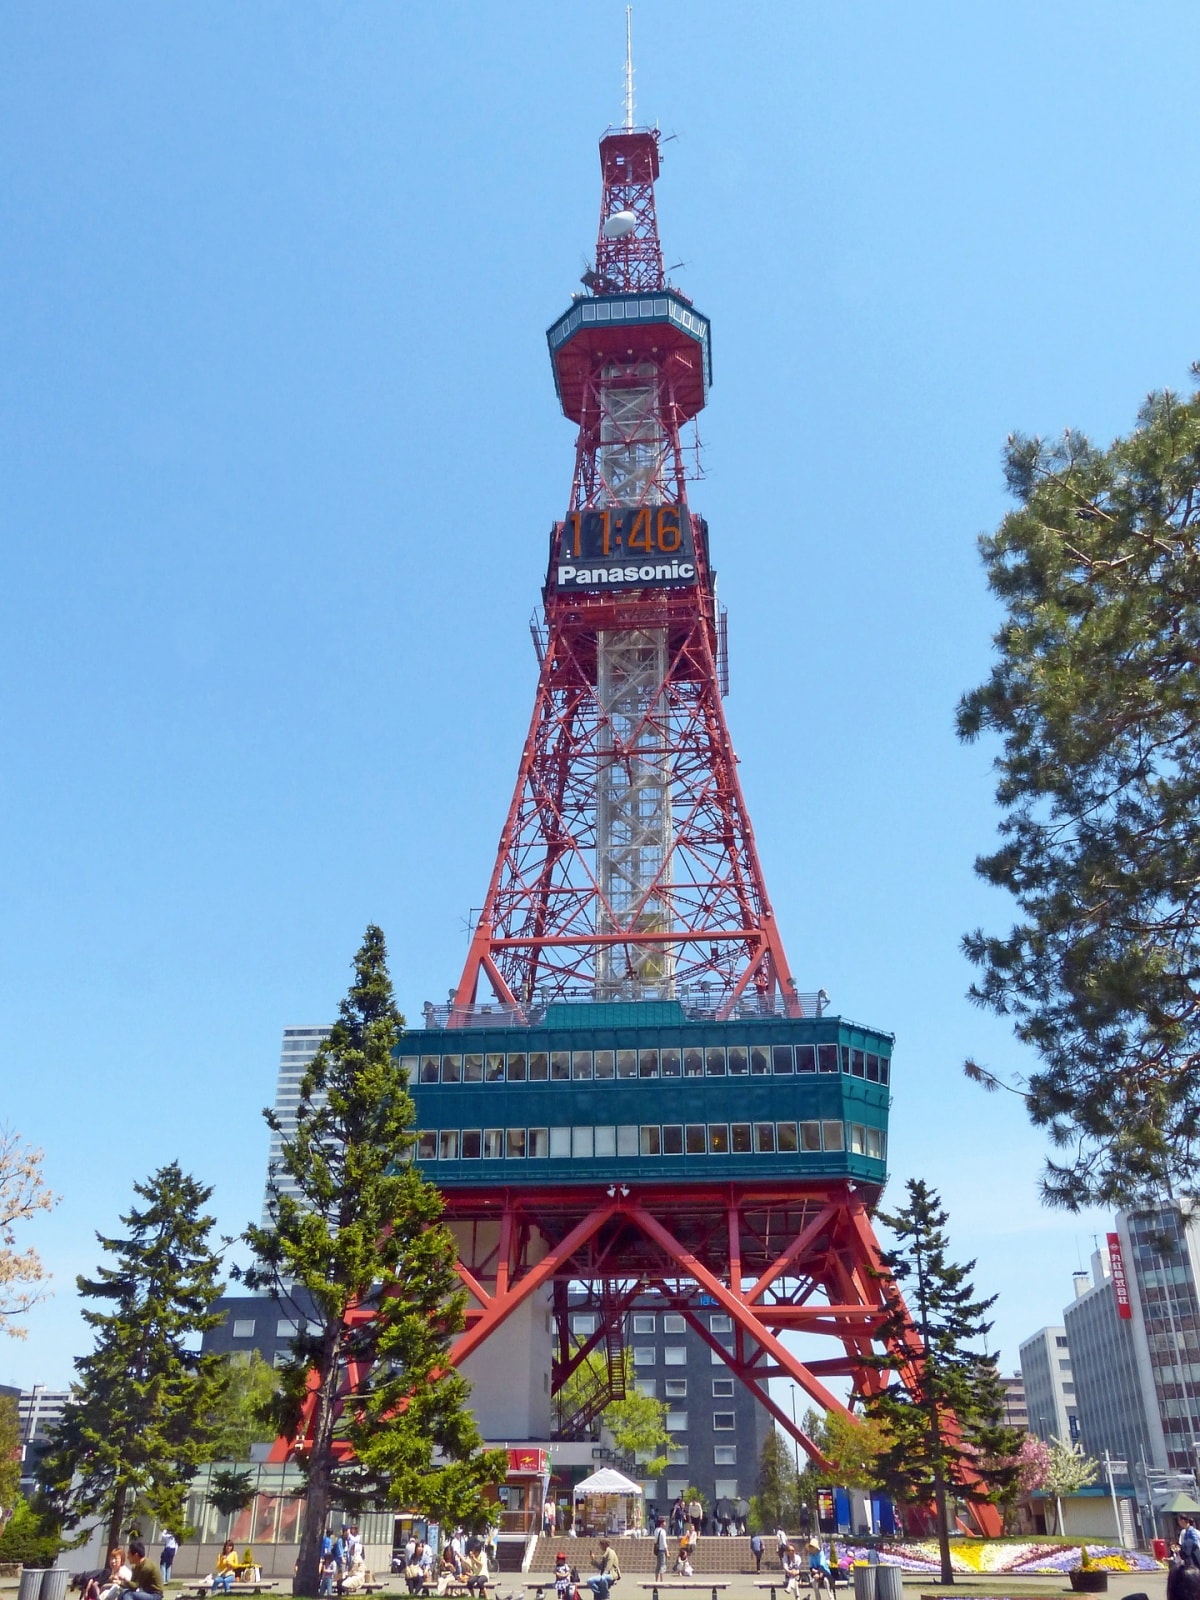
column 274, row 285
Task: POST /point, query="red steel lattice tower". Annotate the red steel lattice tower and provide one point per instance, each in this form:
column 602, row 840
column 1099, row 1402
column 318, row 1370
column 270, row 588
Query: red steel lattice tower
column 627, row 867
column 644, row 1104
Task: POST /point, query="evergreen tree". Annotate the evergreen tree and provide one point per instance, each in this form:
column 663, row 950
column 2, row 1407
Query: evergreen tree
column 1095, row 697
column 776, row 1497
column 138, row 1422
column 942, row 1425
column 364, row 1235
column 10, row 1454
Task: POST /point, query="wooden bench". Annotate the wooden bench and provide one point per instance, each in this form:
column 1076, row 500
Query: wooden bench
column 682, row 1583
column 262, row 1586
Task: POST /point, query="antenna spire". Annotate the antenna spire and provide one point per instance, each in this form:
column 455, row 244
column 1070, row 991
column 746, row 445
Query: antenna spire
column 629, row 66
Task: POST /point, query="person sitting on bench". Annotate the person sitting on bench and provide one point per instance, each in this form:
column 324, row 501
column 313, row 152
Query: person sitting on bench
column 608, row 1571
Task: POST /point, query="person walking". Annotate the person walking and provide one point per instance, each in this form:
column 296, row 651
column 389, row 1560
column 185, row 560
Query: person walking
column 167, row 1560
column 695, row 1513
column 660, row 1549
column 1189, row 1542
column 756, row 1550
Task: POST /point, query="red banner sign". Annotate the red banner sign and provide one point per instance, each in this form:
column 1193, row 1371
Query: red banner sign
column 1116, row 1263
column 527, row 1461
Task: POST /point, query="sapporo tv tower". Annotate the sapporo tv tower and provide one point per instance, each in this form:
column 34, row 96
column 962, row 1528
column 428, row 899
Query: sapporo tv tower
column 627, row 1092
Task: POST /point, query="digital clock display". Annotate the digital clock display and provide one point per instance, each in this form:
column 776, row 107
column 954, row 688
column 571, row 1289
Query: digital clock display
column 624, row 547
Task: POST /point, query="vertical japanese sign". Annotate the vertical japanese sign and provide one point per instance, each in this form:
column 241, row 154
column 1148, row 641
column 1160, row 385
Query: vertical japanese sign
column 1116, row 1262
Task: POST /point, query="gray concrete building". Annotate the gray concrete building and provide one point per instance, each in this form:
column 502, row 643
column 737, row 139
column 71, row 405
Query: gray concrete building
column 1105, row 1366
column 1049, row 1384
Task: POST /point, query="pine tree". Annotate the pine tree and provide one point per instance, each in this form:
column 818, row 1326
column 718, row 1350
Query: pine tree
column 364, row 1235
column 776, row 1497
column 942, row 1429
column 138, row 1422
column 1095, row 698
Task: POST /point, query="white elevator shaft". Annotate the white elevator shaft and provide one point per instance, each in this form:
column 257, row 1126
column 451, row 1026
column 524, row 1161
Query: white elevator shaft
column 633, row 791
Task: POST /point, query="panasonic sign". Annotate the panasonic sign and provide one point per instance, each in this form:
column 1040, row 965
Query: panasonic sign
column 604, row 577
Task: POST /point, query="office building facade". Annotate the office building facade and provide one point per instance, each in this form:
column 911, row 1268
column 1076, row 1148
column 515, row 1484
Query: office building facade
column 296, row 1052
column 1106, row 1369
column 1049, row 1384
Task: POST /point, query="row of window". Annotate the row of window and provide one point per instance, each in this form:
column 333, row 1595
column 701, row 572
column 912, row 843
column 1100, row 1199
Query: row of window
column 677, row 1388
column 677, row 1421
column 584, row 1323
column 633, row 1139
column 243, row 1328
column 694, row 1061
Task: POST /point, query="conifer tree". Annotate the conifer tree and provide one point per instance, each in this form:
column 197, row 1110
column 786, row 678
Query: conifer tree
column 942, row 1433
column 775, row 1501
column 356, row 1228
column 138, row 1422
column 1095, row 699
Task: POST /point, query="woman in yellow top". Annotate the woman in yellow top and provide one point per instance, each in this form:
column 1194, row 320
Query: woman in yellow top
column 227, row 1568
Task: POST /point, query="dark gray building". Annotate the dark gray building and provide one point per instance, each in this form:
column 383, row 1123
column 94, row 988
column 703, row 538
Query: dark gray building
column 717, row 1426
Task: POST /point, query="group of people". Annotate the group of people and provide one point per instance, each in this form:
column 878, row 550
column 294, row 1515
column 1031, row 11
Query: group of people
column 343, row 1565
column 821, row 1575
column 464, row 1566
column 129, row 1574
column 608, row 1572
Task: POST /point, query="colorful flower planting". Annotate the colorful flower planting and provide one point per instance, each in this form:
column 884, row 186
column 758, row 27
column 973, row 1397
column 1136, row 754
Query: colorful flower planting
column 985, row 1556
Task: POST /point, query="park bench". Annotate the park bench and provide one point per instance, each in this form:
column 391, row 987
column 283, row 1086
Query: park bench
column 250, row 1586
column 683, row 1583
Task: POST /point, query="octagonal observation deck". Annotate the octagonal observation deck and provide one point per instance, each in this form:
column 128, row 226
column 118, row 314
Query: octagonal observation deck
column 640, row 1091
column 659, row 326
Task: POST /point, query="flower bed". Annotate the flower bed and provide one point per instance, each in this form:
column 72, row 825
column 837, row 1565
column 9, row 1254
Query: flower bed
column 987, row 1556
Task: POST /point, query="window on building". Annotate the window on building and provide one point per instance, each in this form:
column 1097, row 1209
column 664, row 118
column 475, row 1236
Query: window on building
column 1060, row 1340
column 472, row 1144
column 644, row 1355
column 721, row 1356
column 583, row 1323
column 539, row 1143
column 282, row 1357
column 1068, row 1388
column 675, row 1388
column 723, row 1421
column 1064, row 1366
column 286, row 1329
column 675, row 1355
column 243, row 1330
column 724, row 1455
column 643, row 1323
column 676, row 1488
column 673, row 1323
column 646, row 1387
column 672, row 1139
column 606, row 1141
column 726, row 1488
column 448, row 1144
column 493, row 1144
column 627, row 1135
column 676, row 1422
column 560, row 1142
column 720, row 1323
column 722, row 1388
column 678, row 1458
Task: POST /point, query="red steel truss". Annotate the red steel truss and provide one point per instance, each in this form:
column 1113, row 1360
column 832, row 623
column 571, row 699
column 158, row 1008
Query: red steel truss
column 698, row 917
column 684, row 909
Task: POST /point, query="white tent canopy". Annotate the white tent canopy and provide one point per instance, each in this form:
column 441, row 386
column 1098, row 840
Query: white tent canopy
column 608, row 1481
